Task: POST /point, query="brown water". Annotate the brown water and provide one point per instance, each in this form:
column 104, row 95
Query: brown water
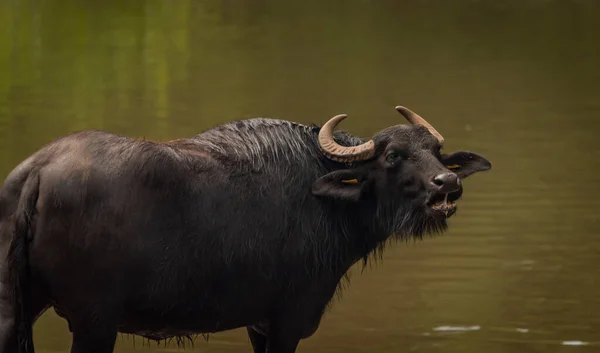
column 517, row 81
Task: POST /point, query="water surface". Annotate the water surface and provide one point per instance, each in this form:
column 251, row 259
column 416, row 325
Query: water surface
column 516, row 81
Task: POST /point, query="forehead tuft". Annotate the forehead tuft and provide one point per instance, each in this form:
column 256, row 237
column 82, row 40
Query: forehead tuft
column 414, row 135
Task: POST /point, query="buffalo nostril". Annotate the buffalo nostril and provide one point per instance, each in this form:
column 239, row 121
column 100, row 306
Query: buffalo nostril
column 438, row 180
column 447, row 182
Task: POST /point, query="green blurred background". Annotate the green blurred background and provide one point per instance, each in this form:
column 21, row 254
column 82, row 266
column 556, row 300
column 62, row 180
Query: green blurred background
column 516, row 81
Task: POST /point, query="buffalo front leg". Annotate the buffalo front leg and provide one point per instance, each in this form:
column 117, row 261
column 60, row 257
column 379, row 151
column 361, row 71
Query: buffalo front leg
column 258, row 340
column 282, row 343
column 277, row 341
column 284, row 335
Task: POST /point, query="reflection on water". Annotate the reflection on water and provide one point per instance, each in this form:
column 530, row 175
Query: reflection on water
column 516, row 81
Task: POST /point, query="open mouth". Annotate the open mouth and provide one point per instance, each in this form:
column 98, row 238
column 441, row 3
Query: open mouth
column 441, row 205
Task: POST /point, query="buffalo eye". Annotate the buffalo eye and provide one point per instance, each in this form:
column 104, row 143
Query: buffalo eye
column 394, row 156
column 391, row 157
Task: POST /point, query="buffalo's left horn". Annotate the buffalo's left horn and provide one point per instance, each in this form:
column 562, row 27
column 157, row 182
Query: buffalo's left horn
column 339, row 153
column 415, row 119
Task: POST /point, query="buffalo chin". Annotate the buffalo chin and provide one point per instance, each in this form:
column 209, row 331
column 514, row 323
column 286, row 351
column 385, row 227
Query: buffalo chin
column 418, row 222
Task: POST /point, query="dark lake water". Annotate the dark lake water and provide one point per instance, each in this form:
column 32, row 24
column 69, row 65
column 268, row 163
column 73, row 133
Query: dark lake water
column 516, row 81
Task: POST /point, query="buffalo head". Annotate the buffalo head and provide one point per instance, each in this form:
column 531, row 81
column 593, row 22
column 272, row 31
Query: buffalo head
column 402, row 169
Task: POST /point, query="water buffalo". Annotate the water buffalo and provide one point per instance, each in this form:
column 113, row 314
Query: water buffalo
column 252, row 223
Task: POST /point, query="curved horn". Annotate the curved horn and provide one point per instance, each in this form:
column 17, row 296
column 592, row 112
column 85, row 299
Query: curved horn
column 415, row 119
column 339, row 153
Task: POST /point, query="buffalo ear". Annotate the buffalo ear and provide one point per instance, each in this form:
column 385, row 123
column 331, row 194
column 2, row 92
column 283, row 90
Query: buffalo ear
column 465, row 163
column 344, row 185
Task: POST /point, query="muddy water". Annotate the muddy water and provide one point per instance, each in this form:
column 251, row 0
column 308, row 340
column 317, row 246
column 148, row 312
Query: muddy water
column 517, row 81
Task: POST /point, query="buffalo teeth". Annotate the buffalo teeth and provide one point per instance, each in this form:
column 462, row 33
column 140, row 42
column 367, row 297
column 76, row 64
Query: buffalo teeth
column 444, row 204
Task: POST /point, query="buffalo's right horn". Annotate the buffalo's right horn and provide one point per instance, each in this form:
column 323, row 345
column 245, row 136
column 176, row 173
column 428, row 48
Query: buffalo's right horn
column 415, row 119
column 339, row 153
